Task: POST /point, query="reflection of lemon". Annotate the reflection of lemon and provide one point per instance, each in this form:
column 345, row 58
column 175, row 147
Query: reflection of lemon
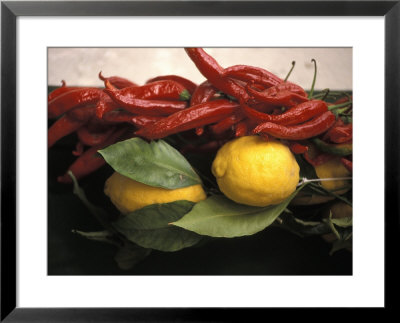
column 129, row 195
column 252, row 171
column 331, row 169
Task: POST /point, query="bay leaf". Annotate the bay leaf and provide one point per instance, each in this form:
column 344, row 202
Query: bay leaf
column 218, row 216
column 156, row 163
column 149, row 227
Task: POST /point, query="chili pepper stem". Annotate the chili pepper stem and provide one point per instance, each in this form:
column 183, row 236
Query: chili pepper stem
column 306, row 180
column 290, row 72
column 314, row 78
column 342, row 105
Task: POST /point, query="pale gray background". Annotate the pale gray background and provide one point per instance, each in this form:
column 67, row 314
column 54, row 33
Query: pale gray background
column 80, row 66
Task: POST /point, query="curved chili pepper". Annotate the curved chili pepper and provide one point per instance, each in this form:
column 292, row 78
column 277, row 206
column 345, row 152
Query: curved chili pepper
column 203, row 93
column 282, row 94
column 82, row 114
column 193, row 117
column 297, row 148
column 61, row 90
column 61, row 128
column 105, row 105
column 340, row 132
column 319, row 159
column 73, row 99
column 249, row 73
column 147, row 107
column 187, row 84
column 90, row 138
column 226, row 124
column 90, row 160
column 159, row 90
column 115, row 117
column 212, row 71
column 118, row 82
column 309, row 129
column 142, row 121
column 296, row 115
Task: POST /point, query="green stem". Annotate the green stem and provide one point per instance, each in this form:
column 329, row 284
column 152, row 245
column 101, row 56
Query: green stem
column 314, row 79
column 341, row 105
column 290, row 72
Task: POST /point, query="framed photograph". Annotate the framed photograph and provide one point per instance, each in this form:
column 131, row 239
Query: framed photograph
column 154, row 149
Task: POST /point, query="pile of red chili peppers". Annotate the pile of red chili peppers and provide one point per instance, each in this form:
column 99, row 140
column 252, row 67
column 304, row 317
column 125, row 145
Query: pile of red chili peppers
column 234, row 101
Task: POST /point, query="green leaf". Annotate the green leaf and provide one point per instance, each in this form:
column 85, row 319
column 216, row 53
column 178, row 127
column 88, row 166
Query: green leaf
column 149, row 227
column 129, row 255
column 155, row 163
column 217, row 216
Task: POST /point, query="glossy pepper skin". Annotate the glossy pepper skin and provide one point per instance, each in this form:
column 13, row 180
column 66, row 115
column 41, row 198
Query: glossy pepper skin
column 61, row 90
column 283, row 94
column 296, row 115
column 117, row 81
column 72, row 100
column 146, row 107
column 226, row 124
column 340, row 132
column 93, row 138
column 309, row 129
column 187, row 84
column 212, row 71
column 90, row 160
column 61, row 128
column 247, row 73
column 193, row 117
column 203, row 93
column 158, row 90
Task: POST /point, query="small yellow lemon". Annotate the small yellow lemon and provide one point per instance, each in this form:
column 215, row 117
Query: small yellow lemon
column 129, row 195
column 331, row 169
column 252, row 171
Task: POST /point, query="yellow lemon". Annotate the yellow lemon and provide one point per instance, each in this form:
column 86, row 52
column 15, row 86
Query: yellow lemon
column 129, row 195
column 252, row 171
column 331, row 169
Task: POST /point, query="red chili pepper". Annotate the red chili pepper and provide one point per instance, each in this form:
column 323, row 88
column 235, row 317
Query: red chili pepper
column 226, row 124
column 73, row 99
column 142, row 121
column 148, row 107
column 203, row 93
column 212, row 71
column 248, row 73
column 84, row 113
column 193, row 117
column 78, row 149
column 61, row 90
column 319, row 159
column 61, row 128
column 241, row 128
column 90, row 138
column 280, row 94
column 297, row 148
column 90, row 160
column 296, row 115
column 105, row 105
column 340, row 132
column 347, row 163
column 118, row 82
column 309, row 129
column 187, row 84
column 159, row 90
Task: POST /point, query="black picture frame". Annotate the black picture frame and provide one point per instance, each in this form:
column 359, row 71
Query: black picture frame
column 11, row 10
